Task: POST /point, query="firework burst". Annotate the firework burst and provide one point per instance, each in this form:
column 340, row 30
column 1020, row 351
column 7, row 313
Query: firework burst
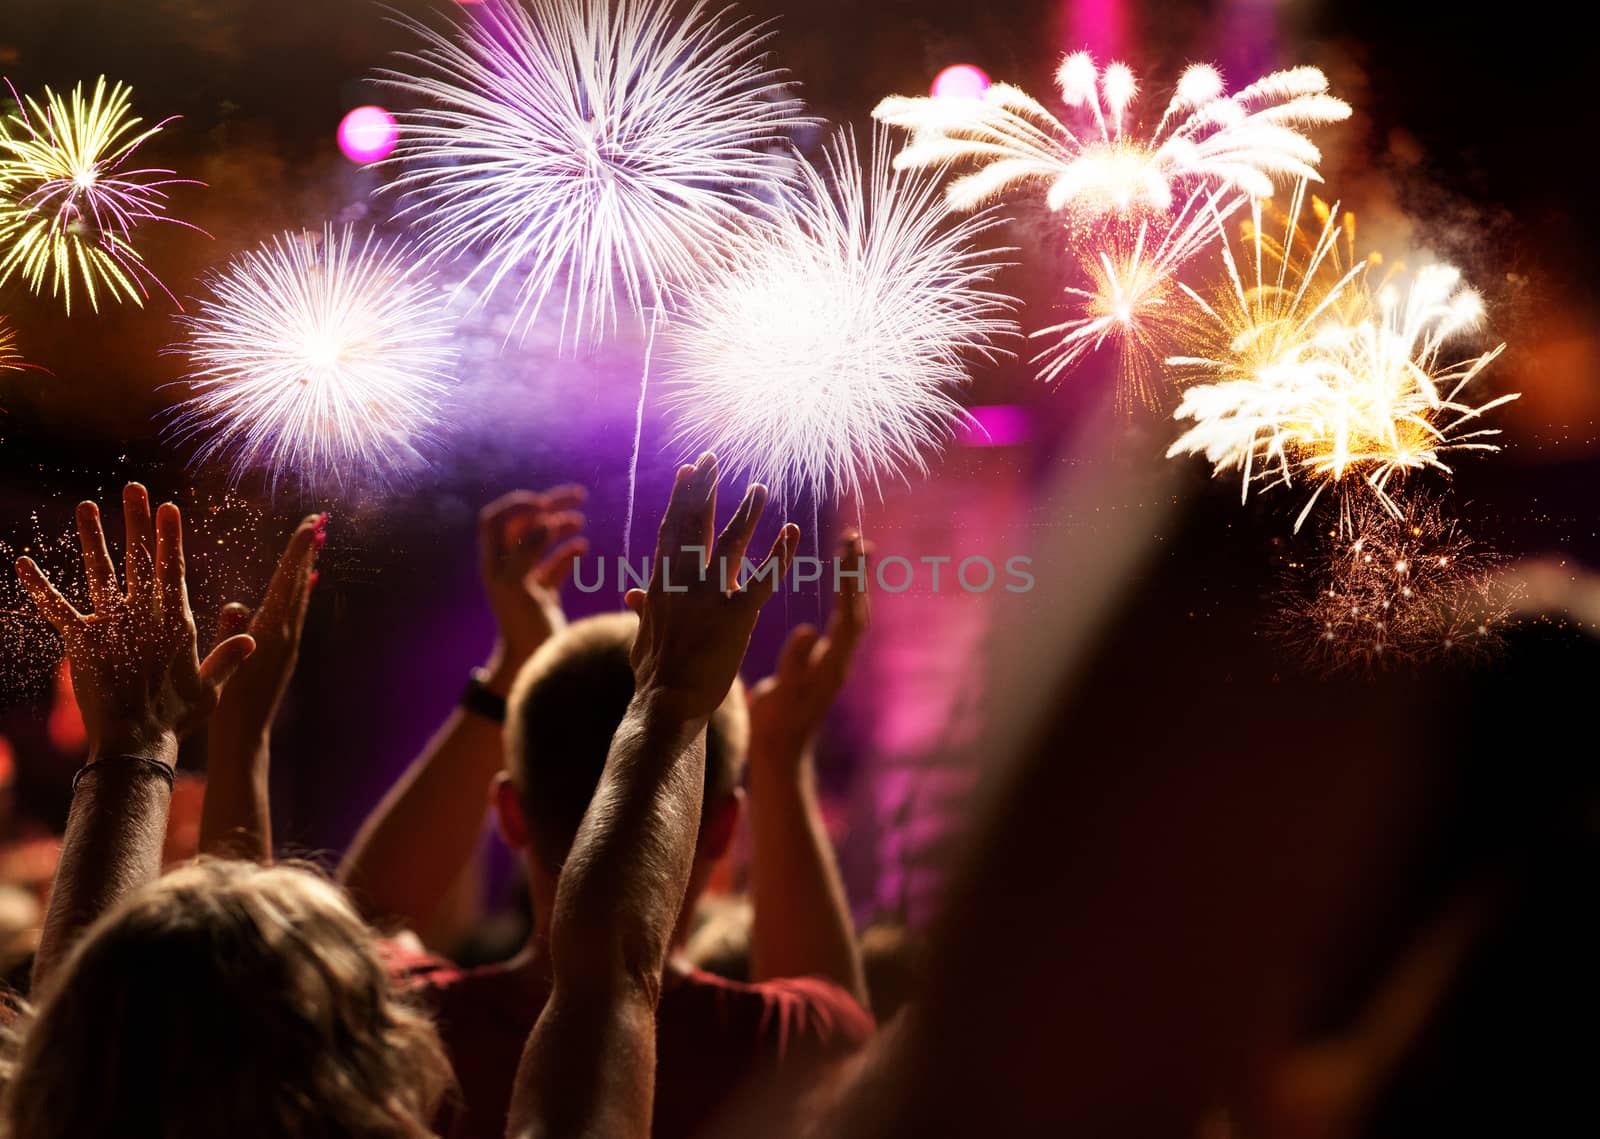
column 1394, row 587
column 1102, row 164
column 10, row 356
column 1365, row 402
column 1135, row 299
column 1260, row 320
column 826, row 356
column 70, row 201
column 613, row 144
column 318, row 354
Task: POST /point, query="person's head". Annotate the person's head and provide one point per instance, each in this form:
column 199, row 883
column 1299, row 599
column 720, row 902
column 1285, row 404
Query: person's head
column 226, row 999
column 566, row 705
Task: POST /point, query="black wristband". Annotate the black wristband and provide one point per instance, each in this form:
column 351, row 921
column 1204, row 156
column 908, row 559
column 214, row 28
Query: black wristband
column 478, row 700
column 152, row 765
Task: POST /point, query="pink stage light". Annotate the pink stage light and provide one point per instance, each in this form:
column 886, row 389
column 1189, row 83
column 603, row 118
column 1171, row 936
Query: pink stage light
column 960, row 81
column 368, row 134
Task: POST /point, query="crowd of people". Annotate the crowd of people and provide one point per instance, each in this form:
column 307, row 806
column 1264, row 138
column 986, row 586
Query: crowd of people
column 1089, row 977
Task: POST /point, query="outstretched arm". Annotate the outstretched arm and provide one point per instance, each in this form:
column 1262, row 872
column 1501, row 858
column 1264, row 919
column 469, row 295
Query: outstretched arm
column 140, row 685
column 802, row 918
column 526, row 547
column 589, row 1067
column 236, row 821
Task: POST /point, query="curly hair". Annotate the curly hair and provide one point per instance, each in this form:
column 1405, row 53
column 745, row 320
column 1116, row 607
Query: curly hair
column 227, row 999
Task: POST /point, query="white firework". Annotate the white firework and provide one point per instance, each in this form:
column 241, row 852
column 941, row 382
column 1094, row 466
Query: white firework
column 1135, row 300
column 827, row 356
column 1367, row 402
column 605, row 149
column 319, row 354
column 1102, row 164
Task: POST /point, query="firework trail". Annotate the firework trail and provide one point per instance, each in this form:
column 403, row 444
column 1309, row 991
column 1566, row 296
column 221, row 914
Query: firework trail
column 1258, row 326
column 70, row 204
column 1366, row 401
column 825, row 358
column 1135, row 299
column 316, row 354
column 605, row 150
column 1392, row 588
column 1102, row 164
column 10, row 356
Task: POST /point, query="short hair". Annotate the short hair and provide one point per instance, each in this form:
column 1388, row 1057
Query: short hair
column 227, row 999
column 567, row 703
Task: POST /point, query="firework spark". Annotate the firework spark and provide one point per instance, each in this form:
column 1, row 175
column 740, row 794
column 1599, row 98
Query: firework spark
column 10, row 356
column 1391, row 588
column 1366, row 401
column 1268, row 327
column 616, row 144
column 1102, row 165
column 1257, row 329
column 319, row 354
column 1135, row 299
column 69, row 203
column 826, row 356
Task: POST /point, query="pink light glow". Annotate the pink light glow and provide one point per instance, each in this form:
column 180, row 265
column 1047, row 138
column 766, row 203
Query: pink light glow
column 1100, row 26
column 997, row 425
column 960, row 81
column 368, row 134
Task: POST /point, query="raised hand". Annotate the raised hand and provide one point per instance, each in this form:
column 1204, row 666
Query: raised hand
column 250, row 702
column 802, row 922
column 136, row 672
column 527, row 544
column 236, row 820
column 695, row 620
column 787, row 708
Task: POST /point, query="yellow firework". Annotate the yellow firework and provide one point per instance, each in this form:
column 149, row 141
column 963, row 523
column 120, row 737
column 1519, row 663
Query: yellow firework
column 69, row 201
column 1316, row 371
column 1134, row 299
column 10, row 358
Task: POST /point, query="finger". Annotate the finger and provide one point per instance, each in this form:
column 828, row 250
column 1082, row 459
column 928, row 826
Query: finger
column 224, row 660
column 669, row 535
column 290, row 578
column 56, row 608
column 741, row 528
column 302, row 605
column 761, row 587
column 169, row 562
column 849, row 616
column 565, row 496
column 531, row 540
column 705, row 520
column 698, row 522
column 493, row 519
column 558, row 566
column 796, row 654
column 139, row 557
column 233, row 620
column 97, row 563
column 634, row 600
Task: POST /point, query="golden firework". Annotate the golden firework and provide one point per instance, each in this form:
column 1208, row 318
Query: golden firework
column 1314, row 370
column 69, row 203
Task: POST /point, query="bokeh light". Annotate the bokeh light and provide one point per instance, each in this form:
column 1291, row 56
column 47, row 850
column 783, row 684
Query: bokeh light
column 960, row 81
column 368, row 134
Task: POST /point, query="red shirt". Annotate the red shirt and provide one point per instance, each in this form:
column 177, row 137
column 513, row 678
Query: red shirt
column 714, row 1038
